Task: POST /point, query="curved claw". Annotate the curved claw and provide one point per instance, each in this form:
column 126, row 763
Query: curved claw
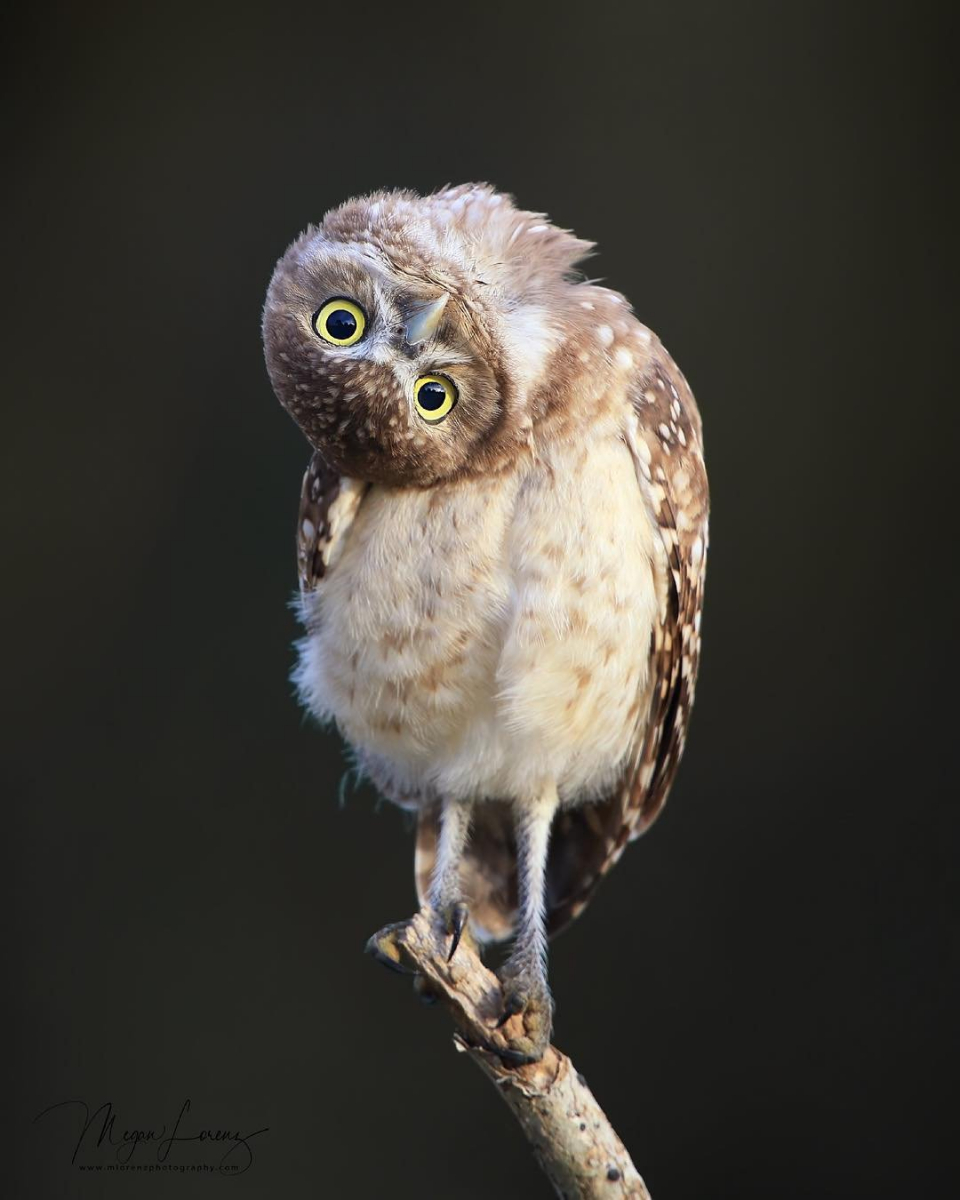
column 424, row 992
column 518, row 1058
column 512, row 1004
column 382, row 947
column 459, row 915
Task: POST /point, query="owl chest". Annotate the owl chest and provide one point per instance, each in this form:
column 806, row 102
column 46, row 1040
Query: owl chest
column 479, row 639
column 412, row 617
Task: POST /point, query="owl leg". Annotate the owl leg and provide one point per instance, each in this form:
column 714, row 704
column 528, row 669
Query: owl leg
column 524, row 974
column 446, row 896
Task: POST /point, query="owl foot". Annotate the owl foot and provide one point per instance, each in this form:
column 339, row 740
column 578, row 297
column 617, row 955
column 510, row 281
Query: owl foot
column 452, row 922
column 527, row 1016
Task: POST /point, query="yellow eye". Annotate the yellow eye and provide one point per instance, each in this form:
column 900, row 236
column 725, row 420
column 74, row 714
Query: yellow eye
column 340, row 322
column 434, row 396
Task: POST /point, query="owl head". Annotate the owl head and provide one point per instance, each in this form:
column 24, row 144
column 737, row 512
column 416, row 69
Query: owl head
column 417, row 339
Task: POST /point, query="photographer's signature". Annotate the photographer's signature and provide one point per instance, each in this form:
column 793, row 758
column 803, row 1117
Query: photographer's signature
column 100, row 1128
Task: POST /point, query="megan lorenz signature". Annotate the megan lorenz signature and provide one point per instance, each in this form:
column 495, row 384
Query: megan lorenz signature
column 101, row 1130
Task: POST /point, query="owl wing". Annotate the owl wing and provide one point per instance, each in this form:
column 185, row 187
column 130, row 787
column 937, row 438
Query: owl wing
column 663, row 432
column 328, row 505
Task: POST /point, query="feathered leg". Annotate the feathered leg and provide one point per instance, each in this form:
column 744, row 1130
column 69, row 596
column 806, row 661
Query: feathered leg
column 524, row 974
column 446, row 896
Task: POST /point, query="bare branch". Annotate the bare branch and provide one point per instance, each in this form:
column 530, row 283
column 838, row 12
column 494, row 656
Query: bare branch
column 574, row 1142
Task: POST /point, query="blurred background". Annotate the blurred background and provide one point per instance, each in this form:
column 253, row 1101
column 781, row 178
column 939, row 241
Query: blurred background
column 758, row 996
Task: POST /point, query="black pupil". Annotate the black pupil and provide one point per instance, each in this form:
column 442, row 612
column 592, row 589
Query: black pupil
column 341, row 324
column 432, row 396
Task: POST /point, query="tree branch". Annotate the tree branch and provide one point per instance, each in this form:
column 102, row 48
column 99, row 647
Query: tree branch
column 572, row 1139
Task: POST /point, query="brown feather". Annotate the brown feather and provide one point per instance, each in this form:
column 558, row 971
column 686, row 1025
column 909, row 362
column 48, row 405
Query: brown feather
column 588, row 841
column 319, row 534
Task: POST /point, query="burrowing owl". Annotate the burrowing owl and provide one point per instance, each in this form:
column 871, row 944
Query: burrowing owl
column 501, row 546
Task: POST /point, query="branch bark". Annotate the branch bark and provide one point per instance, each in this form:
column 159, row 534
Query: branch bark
column 572, row 1139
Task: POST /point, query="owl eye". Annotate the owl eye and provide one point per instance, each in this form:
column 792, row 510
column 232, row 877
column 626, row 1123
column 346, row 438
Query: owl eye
column 434, row 397
column 340, row 322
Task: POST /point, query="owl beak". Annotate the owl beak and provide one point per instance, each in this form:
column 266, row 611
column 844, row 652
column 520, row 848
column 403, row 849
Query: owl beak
column 424, row 321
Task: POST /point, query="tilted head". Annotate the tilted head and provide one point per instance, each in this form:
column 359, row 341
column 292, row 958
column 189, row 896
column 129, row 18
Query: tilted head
column 409, row 337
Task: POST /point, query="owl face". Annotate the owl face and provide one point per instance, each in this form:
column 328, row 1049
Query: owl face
column 399, row 341
column 381, row 371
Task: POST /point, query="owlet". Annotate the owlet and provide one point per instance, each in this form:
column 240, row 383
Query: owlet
column 501, row 546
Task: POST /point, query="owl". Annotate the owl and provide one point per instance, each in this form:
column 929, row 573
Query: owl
column 501, row 548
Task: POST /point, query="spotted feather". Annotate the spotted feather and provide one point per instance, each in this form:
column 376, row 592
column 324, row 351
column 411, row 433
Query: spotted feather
column 664, row 434
column 328, row 504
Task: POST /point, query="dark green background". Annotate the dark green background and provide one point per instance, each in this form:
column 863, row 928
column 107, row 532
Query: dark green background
column 759, row 993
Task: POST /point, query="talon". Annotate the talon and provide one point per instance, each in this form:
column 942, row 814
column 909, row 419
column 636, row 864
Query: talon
column 459, row 916
column 518, row 1058
column 512, row 1004
column 383, row 948
column 424, row 992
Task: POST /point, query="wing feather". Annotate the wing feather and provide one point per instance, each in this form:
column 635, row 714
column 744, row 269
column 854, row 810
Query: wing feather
column 664, row 434
column 328, row 505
